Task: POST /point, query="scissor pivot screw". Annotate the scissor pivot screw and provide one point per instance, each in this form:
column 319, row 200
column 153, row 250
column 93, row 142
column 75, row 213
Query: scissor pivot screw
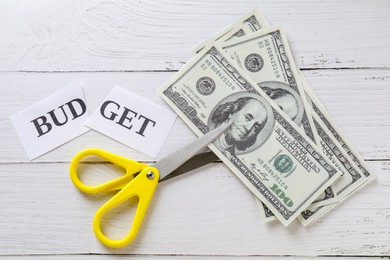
column 150, row 175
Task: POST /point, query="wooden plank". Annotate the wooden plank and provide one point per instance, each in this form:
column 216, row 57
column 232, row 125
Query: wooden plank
column 357, row 99
column 208, row 212
column 156, row 257
column 157, row 35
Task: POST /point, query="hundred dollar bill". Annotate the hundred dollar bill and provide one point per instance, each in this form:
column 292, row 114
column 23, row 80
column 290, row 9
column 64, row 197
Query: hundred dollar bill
column 263, row 147
column 348, row 185
column 328, row 196
column 331, row 125
column 349, row 181
column 255, row 23
column 312, row 214
column 351, row 177
column 266, row 58
column 250, row 22
column 334, row 145
column 266, row 213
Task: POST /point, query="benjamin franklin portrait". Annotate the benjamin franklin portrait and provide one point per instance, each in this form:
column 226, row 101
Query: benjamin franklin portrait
column 251, row 118
column 286, row 98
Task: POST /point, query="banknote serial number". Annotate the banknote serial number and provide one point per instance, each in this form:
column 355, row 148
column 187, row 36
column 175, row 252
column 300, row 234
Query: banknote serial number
column 265, row 44
column 269, row 169
column 277, row 188
column 218, row 72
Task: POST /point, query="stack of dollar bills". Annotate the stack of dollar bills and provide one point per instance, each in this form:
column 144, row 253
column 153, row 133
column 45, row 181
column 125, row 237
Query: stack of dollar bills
column 283, row 145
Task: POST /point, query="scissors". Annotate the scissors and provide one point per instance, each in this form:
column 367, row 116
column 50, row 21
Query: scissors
column 140, row 180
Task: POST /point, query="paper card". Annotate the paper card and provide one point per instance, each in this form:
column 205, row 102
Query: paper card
column 133, row 121
column 52, row 121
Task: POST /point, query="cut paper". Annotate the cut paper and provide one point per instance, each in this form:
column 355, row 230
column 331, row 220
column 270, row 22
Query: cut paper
column 133, row 121
column 52, row 121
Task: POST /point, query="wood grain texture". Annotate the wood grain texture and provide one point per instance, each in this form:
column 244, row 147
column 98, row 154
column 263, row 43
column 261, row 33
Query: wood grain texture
column 357, row 100
column 103, row 35
column 213, row 215
column 185, row 257
column 343, row 47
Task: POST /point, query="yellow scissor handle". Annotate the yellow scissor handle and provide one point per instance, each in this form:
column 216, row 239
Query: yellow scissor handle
column 130, row 166
column 142, row 187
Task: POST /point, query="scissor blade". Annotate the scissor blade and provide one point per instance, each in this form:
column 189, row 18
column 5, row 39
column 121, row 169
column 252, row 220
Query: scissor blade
column 195, row 162
column 174, row 160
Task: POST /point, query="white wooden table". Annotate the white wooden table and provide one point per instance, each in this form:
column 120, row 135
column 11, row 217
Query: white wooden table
column 343, row 47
